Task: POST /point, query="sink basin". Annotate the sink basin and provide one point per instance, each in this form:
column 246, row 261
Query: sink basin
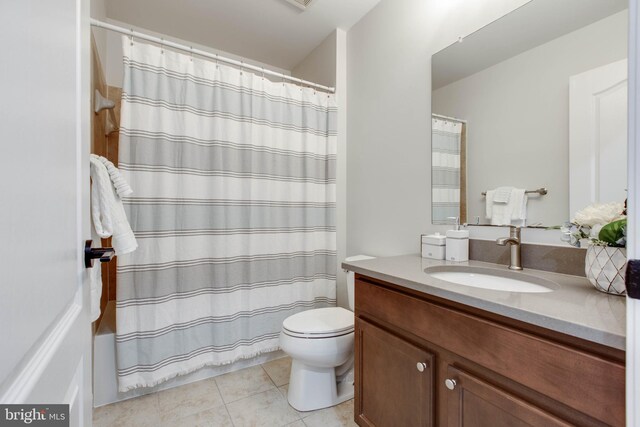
column 491, row 278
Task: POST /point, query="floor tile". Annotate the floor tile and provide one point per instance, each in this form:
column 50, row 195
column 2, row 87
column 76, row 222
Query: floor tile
column 139, row 412
column 103, row 416
column 298, row 423
column 216, row 417
column 246, row 382
column 268, row 409
column 336, row 416
column 278, row 370
column 179, row 402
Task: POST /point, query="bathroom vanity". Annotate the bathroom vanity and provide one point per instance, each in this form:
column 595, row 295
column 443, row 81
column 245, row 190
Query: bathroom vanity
column 431, row 352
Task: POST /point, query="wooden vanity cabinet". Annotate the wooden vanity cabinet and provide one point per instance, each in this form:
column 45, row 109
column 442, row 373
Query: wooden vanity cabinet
column 422, row 361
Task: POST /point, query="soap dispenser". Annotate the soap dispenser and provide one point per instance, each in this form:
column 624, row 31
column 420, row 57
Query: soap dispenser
column 457, row 243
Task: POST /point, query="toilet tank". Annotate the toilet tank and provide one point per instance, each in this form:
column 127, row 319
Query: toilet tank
column 351, row 280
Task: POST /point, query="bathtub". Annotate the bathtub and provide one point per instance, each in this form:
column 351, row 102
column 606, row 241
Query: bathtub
column 105, row 382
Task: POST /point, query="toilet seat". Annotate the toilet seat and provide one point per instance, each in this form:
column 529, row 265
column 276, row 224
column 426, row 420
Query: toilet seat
column 319, row 323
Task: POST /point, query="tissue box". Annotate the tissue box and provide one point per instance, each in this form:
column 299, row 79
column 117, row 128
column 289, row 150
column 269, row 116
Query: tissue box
column 434, row 246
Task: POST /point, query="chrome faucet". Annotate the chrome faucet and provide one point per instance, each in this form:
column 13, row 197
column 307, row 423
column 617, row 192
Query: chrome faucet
column 514, row 240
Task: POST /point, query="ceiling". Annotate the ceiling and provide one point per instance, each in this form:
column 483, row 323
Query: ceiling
column 270, row 31
column 531, row 25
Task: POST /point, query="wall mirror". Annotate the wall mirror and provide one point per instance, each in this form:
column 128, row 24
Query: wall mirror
column 534, row 101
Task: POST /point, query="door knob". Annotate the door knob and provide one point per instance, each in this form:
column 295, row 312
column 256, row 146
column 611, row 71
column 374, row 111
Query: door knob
column 103, row 254
column 450, row 384
column 421, row 366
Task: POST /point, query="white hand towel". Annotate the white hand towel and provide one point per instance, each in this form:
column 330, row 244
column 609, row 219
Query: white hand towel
column 502, row 195
column 122, row 186
column 489, row 203
column 109, row 211
column 519, row 213
column 501, row 214
column 498, row 213
column 95, row 281
column 100, row 198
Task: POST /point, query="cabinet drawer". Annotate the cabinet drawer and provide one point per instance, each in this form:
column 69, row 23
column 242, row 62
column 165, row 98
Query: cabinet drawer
column 586, row 382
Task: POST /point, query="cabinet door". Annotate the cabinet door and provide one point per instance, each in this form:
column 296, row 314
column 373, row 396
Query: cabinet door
column 473, row 402
column 394, row 380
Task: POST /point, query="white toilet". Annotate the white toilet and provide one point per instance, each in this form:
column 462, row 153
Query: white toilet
column 320, row 343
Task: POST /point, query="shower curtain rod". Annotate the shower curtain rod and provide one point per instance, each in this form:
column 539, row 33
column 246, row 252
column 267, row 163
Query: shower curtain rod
column 240, row 64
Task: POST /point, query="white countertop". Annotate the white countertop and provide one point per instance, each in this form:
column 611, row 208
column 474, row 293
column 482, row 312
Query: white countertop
column 576, row 308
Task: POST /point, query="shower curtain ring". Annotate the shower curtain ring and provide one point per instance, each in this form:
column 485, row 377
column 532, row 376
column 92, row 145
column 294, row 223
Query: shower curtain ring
column 217, row 67
column 262, row 73
column 162, row 45
column 131, row 37
column 191, row 53
column 241, row 67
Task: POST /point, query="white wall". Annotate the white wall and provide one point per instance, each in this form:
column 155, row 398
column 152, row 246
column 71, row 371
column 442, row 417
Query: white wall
column 113, row 63
column 320, row 65
column 98, row 10
column 327, row 65
column 518, row 117
column 389, row 134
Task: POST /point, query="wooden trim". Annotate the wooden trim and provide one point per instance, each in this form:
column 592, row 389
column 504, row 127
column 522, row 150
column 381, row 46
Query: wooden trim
column 463, row 174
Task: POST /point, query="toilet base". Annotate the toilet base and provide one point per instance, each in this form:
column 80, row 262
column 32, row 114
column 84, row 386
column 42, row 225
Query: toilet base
column 312, row 388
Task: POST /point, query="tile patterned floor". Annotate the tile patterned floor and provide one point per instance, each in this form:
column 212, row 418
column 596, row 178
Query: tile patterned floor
column 254, row 396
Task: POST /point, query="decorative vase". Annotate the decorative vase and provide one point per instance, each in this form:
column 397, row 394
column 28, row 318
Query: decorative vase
column 605, row 268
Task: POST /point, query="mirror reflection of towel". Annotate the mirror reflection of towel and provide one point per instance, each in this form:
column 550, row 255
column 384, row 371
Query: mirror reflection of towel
column 519, row 213
column 514, row 210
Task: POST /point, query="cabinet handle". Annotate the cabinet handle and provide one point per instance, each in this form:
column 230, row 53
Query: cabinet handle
column 451, row 384
column 421, row 366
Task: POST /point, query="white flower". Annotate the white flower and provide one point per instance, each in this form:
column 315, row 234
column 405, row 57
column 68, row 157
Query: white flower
column 599, row 214
column 595, row 231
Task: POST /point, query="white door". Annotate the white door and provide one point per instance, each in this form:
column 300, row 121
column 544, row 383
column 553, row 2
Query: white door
column 598, row 136
column 45, row 331
column 633, row 227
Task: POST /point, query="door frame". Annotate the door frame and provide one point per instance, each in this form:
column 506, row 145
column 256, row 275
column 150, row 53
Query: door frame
column 633, row 231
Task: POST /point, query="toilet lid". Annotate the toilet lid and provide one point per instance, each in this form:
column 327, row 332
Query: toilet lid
column 324, row 322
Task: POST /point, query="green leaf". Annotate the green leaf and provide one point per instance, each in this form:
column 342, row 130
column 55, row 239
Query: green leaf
column 613, row 232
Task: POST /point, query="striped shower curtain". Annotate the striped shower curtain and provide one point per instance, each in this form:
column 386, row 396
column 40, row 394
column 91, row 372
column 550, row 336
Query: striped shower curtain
column 234, row 180
column 445, row 170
